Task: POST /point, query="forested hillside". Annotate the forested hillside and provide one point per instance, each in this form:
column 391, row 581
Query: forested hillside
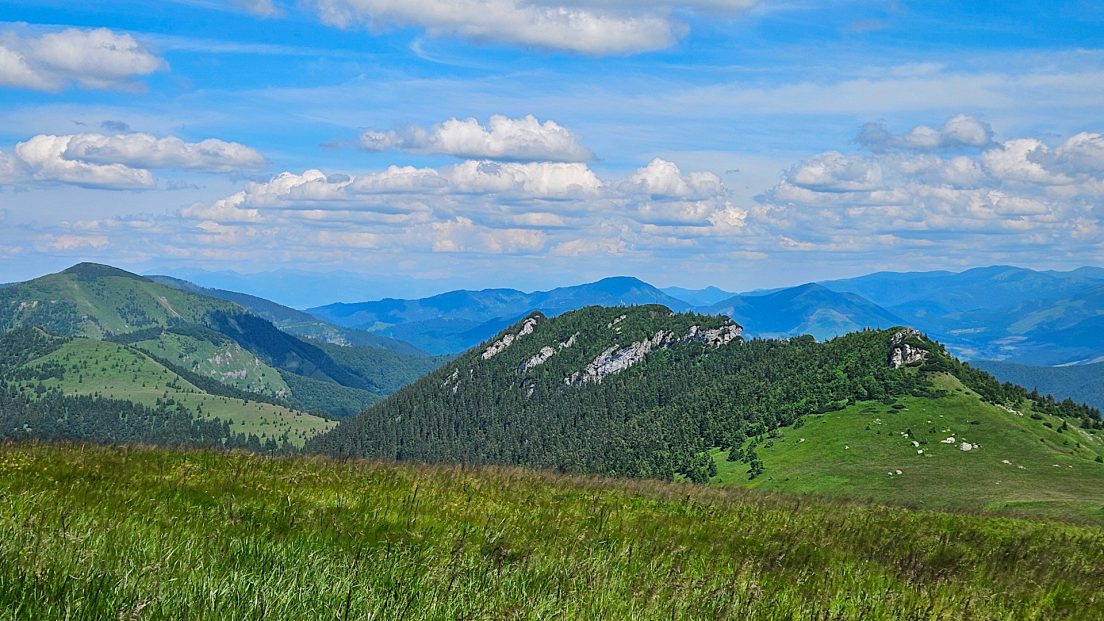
column 644, row 392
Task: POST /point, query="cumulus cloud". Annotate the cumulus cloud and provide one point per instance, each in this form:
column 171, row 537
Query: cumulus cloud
column 836, row 172
column 1019, row 187
column 118, row 162
column 958, row 132
column 146, row 151
column 1082, row 154
column 661, row 178
column 96, row 59
column 44, row 159
column 503, row 138
column 585, row 26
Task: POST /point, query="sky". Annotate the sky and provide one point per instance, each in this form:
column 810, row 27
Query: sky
column 417, row 146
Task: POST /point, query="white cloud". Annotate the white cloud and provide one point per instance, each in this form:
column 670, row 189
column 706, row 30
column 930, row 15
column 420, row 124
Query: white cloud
column 96, row 59
column 534, row 179
column 44, row 159
column 960, row 131
column 584, row 26
column 118, row 162
column 1082, row 154
column 146, row 151
column 661, row 178
column 1020, row 188
column 485, row 207
column 503, row 138
column 836, row 172
column 580, row 247
column 380, row 190
column 1015, row 160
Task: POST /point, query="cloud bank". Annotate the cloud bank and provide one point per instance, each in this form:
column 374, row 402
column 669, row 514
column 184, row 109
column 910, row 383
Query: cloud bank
column 119, row 162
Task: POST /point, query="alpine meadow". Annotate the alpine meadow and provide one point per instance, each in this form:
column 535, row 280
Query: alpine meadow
column 742, row 310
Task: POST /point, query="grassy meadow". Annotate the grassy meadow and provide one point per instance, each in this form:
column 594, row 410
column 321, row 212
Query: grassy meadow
column 100, row 367
column 899, row 454
column 115, row 533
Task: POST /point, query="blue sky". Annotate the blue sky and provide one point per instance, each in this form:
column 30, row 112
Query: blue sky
column 426, row 145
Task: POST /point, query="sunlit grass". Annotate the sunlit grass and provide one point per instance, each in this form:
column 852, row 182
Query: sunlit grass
column 103, row 533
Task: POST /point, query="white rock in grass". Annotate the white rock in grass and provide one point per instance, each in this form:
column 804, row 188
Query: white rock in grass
column 899, row 472
column 965, row 446
column 950, row 440
column 1005, row 461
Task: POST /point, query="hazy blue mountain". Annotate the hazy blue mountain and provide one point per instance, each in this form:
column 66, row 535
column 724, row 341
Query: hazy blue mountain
column 454, row 321
column 999, row 312
column 1082, row 383
column 699, row 297
column 294, row 321
column 807, row 309
column 979, row 288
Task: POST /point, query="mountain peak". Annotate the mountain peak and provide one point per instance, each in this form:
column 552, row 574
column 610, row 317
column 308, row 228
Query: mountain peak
column 98, row 270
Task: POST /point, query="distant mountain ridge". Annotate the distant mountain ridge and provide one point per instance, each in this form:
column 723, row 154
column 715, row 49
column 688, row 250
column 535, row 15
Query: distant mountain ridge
column 453, row 321
column 297, row 322
column 998, row 312
column 806, row 309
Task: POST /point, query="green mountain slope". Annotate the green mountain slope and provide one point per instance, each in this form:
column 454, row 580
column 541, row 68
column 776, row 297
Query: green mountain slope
column 644, row 392
column 45, row 370
column 214, row 338
column 902, row 453
column 96, row 301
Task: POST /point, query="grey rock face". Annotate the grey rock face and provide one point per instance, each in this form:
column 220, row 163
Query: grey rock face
column 501, row 344
column 617, row 359
column 901, row 353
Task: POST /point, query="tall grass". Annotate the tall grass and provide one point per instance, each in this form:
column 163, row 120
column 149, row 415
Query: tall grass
column 106, row 533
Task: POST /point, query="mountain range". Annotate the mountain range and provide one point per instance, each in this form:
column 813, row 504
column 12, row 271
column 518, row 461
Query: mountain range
column 454, row 321
column 616, row 377
column 1003, row 313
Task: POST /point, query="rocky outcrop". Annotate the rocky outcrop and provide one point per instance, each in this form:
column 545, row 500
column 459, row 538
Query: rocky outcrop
column 540, row 358
column 501, row 344
column 902, row 354
column 544, row 354
column 617, row 358
column 715, row 337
